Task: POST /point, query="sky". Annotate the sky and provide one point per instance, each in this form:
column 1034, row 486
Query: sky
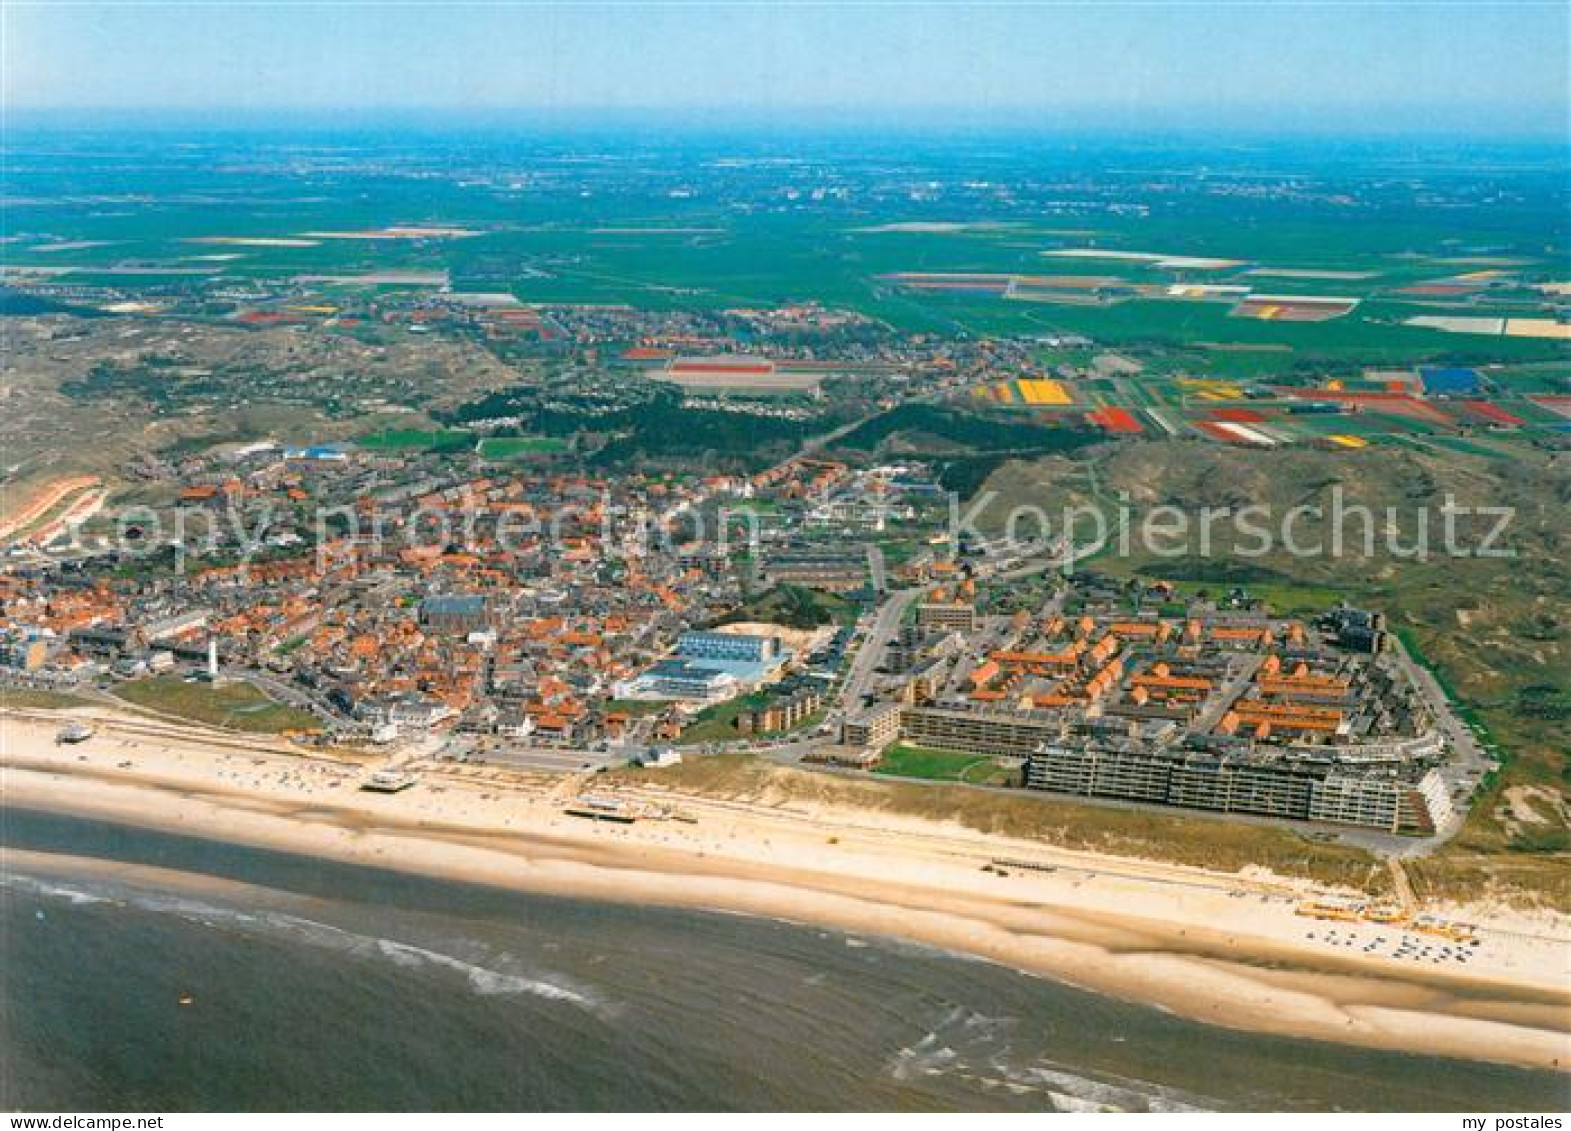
column 1438, row 66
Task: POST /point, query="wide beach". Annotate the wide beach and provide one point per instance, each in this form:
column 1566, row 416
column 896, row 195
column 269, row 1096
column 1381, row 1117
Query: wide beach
column 1223, row 949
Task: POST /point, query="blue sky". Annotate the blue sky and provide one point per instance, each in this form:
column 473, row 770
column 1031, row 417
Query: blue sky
column 1438, row 66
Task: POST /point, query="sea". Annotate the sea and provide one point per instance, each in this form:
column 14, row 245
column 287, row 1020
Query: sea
column 241, row 979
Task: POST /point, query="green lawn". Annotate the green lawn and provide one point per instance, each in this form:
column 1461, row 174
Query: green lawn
column 908, row 761
column 717, row 723
column 238, row 706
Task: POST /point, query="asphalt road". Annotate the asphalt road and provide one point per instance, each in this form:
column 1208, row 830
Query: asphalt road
column 1468, row 762
column 289, row 693
column 886, row 623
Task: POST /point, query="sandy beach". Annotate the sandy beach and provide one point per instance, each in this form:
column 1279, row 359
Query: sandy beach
column 1226, row 949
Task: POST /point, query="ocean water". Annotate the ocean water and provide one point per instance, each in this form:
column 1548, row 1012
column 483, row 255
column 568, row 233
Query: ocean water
column 311, row 985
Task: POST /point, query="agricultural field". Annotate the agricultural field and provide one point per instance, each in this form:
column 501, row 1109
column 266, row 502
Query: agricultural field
column 1349, row 234
column 230, row 306
column 1491, row 416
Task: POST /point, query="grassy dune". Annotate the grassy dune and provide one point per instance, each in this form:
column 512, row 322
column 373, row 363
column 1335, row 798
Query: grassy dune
column 39, row 699
column 237, row 706
column 1207, row 843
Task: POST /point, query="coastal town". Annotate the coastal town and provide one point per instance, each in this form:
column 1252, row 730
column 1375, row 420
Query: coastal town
column 559, row 538
column 543, row 616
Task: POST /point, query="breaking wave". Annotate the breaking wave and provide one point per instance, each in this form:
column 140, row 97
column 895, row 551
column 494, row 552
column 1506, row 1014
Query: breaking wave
column 489, row 977
column 983, row 1049
column 35, row 886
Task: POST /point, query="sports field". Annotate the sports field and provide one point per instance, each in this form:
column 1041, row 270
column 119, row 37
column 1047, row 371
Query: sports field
column 416, row 439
